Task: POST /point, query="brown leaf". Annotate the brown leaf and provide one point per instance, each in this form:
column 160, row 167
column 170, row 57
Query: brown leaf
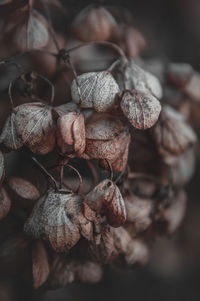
column 23, row 188
column 98, row 90
column 55, row 218
column 40, row 264
column 142, row 110
column 70, row 134
column 106, row 199
column 5, row 203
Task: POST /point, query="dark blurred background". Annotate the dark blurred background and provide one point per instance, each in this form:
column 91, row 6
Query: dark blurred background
column 172, row 30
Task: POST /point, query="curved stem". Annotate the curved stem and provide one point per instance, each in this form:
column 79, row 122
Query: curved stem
column 93, row 171
column 50, row 84
column 46, row 172
column 105, row 43
column 113, row 65
column 80, row 178
column 110, row 168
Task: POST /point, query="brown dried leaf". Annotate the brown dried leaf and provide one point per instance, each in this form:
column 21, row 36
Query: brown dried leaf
column 98, row 90
column 9, row 139
column 5, row 203
column 138, row 79
column 31, row 33
column 106, row 199
column 142, row 110
column 40, row 263
column 107, row 138
column 93, row 24
column 35, row 127
column 70, row 134
column 55, row 218
column 23, row 188
column 172, row 134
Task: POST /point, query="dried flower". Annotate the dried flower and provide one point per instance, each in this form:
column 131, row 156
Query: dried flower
column 106, row 199
column 107, row 138
column 93, row 24
column 57, row 218
column 98, row 90
column 141, row 80
column 172, row 134
column 142, row 110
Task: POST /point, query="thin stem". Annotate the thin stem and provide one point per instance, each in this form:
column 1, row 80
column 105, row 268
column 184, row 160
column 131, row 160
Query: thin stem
column 61, row 175
column 46, row 172
column 80, row 178
column 50, row 84
column 106, row 43
column 93, row 171
column 113, row 65
column 119, row 176
column 10, row 92
column 110, row 168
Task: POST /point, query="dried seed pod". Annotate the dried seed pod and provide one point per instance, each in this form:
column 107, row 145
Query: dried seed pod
column 40, row 264
column 106, row 199
column 138, row 79
column 5, row 203
column 93, row 24
column 56, row 218
column 172, row 134
column 9, row 139
column 2, row 171
column 32, row 33
column 179, row 74
column 142, row 110
column 107, row 138
column 35, row 127
column 138, row 212
column 98, row 90
column 70, row 134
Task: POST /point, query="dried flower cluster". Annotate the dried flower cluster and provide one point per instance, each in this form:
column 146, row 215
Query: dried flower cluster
column 117, row 149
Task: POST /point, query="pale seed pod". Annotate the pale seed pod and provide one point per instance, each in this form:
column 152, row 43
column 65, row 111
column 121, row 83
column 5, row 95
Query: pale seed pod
column 55, row 218
column 70, row 134
column 93, row 24
column 138, row 79
column 98, row 90
column 107, row 138
column 32, row 33
column 142, row 110
column 5, row 203
column 40, row 264
column 35, row 127
column 138, row 212
column 172, row 134
column 106, row 199
column 9, row 139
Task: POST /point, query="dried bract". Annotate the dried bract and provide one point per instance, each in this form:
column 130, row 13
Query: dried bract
column 70, row 134
column 107, row 138
column 142, row 110
column 93, row 24
column 106, row 199
column 138, row 79
column 35, row 127
column 55, row 218
column 172, row 134
column 98, row 90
